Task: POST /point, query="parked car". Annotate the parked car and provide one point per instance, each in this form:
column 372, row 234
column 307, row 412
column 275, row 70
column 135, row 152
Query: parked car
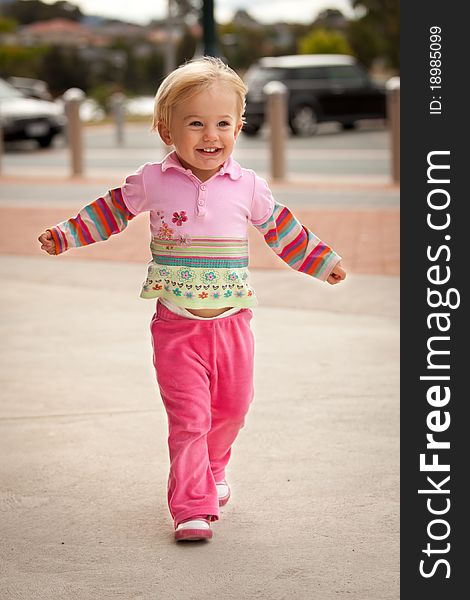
column 24, row 118
column 31, row 88
column 321, row 87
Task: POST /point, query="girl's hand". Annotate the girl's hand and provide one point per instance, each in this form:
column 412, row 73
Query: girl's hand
column 337, row 275
column 47, row 243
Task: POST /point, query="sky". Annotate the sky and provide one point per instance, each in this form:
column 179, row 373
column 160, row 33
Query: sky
column 265, row 11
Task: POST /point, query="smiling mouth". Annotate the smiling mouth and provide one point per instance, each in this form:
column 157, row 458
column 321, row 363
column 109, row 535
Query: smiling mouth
column 209, row 151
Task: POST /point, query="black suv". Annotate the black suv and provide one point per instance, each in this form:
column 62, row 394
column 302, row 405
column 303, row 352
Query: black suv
column 321, row 87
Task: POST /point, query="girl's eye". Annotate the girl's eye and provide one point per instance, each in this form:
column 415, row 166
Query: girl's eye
column 224, row 124
column 196, row 123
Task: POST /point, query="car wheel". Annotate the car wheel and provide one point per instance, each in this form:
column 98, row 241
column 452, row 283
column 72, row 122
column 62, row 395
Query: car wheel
column 45, row 141
column 251, row 130
column 304, row 121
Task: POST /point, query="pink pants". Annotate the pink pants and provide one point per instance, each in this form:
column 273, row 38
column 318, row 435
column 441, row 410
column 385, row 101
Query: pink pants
column 205, row 375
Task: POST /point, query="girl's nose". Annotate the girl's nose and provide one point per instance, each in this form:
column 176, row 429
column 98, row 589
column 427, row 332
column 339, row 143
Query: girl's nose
column 210, row 134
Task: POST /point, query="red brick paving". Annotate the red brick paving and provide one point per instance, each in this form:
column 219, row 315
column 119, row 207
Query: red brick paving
column 367, row 239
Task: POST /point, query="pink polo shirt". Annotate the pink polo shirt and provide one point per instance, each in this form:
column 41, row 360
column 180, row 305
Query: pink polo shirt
column 199, row 231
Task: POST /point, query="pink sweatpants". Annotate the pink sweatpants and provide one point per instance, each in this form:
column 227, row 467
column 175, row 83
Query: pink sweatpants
column 205, row 375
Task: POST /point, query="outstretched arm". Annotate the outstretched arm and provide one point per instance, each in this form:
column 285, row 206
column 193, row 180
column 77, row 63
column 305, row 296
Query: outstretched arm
column 299, row 247
column 96, row 222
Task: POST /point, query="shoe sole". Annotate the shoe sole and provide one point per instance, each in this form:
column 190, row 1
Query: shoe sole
column 223, row 501
column 193, row 535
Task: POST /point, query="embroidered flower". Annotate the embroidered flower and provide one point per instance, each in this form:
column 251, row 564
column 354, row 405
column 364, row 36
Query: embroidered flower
column 165, row 232
column 189, row 295
column 244, row 275
column 180, row 218
column 228, row 293
column 239, row 294
column 210, row 276
column 203, row 295
column 250, row 293
column 177, row 292
column 164, row 272
column 185, row 274
column 183, row 239
column 167, row 288
column 231, row 276
column 157, row 287
column 216, row 295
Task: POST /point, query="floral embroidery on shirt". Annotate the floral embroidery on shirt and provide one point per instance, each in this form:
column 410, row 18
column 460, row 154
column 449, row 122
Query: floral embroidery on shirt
column 203, row 295
column 189, row 295
column 179, row 218
column 239, row 294
column 177, row 292
column 185, row 274
column 165, row 232
column 210, row 276
column 164, row 272
column 228, row 293
column 216, row 295
column 231, row 276
column 183, row 239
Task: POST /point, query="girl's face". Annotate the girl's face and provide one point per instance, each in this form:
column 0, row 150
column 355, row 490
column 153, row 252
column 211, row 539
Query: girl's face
column 203, row 130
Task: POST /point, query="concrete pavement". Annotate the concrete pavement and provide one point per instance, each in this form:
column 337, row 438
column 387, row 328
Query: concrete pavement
column 314, row 513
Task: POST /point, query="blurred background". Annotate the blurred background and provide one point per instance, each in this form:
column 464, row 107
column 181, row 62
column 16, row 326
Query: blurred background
column 102, row 47
column 82, row 430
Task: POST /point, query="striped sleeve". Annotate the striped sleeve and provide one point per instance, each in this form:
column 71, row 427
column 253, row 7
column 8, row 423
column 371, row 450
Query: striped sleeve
column 296, row 245
column 94, row 223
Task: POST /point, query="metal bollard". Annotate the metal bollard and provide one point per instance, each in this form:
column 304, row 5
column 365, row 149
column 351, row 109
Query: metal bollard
column 276, row 111
column 73, row 98
column 393, row 115
column 118, row 109
column 1, row 144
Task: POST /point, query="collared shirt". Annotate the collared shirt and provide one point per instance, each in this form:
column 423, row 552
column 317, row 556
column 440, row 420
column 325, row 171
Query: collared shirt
column 181, row 204
column 199, row 232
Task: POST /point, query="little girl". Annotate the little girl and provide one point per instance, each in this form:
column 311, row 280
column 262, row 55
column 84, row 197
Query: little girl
column 200, row 203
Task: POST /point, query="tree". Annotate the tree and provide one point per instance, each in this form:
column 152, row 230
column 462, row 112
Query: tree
column 7, row 25
column 324, row 41
column 379, row 25
column 30, row 11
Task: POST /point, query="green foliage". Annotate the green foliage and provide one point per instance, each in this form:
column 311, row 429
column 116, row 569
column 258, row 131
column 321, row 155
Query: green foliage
column 64, row 68
column 20, row 61
column 365, row 42
column 324, row 41
column 243, row 45
column 29, row 11
column 7, row 25
column 382, row 20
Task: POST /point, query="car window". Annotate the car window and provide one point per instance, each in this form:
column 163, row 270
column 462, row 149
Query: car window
column 349, row 74
column 307, row 73
column 261, row 75
column 8, row 92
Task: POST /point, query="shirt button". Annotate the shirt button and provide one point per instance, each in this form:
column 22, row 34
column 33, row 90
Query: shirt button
column 200, row 202
column 203, row 187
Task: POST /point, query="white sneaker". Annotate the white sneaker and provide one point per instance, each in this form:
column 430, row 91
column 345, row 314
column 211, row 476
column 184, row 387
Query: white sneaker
column 223, row 492
column 198, row 528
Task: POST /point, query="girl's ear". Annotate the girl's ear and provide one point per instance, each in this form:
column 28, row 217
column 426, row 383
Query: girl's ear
column 164, row 133
column 238, row 128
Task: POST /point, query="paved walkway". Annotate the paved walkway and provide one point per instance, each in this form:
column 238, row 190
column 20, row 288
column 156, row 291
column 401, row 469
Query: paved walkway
column 315, row 471
column 314, row 513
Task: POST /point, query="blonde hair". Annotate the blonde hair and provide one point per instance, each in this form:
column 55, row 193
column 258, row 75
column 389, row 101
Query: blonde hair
column 190, row 79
